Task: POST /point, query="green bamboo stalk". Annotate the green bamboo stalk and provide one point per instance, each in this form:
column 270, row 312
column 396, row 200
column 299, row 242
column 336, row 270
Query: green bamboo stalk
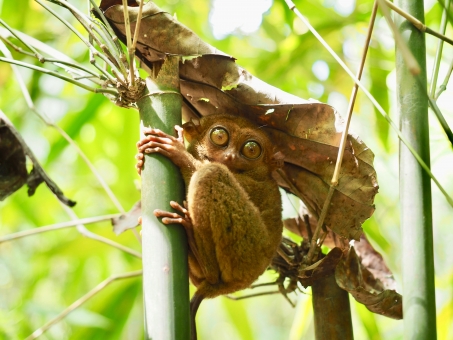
column 165, row 272
column 419, row 306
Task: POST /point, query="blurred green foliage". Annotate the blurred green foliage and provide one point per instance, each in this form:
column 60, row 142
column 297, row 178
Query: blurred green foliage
column 41, row 275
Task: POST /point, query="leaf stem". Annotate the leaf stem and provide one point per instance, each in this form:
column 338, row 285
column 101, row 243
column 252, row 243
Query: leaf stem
column 81, row 301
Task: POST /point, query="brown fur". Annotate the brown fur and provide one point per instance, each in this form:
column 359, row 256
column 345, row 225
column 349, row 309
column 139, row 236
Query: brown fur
column 233, row 202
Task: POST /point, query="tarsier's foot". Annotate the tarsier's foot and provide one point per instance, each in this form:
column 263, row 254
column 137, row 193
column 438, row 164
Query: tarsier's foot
column 170, row 217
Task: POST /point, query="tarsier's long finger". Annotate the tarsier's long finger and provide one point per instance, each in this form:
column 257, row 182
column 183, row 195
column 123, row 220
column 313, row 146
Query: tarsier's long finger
column 154, row 144
column 178, row 207
column 157, row 150
column 173, row 217
column 157, row 132
column 163, row 213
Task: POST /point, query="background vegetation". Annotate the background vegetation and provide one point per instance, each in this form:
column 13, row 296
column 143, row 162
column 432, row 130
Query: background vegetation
column 41, row 275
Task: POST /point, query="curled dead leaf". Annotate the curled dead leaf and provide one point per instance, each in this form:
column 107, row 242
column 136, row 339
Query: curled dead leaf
column 307, row 133
column 13, row 170
column 353, row 277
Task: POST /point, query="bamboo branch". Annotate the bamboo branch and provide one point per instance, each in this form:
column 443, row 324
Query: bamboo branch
column 57, row 75
column 440, row 45
column 443, row 87
column 373, row 100
column 57, row 226
column 63, row 133
column 87, row 43
column 110, row 31
column 85, row 232
column 81, row 301
column 93, row 28
column 66, row 65
column 35, row 52
column 316, row 241
column 137, row 27
column 417, row 23
column 440, row 117
column 127, row 28
column 411, row 63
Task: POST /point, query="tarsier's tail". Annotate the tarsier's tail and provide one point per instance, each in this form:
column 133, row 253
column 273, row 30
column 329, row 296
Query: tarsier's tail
column 194, row 304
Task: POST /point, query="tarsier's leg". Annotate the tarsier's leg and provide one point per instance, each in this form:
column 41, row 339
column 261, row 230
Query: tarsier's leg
column 227, row 226
column 185, row 221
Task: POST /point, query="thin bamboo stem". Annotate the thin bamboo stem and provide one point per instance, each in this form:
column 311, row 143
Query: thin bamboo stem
column 81, row 301
column 57, row 75
column 127, row 28
column 63, row 133
column 316, row 241
column 443, row 87
column 440, row 117
column 57, row 226
column 110, row 31
column 87, row 43
column 438, row 58
column 85, row 232
column 411, row 62
column 66, row 65
column 417, row 23
column 92, row 27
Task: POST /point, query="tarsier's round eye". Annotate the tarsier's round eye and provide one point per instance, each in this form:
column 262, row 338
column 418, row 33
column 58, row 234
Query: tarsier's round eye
column 219, row 136
column 251, row 150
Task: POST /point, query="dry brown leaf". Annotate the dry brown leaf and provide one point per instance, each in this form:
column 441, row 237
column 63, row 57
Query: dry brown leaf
column 353, row 277
column 13, row 170
column 306, row 132
column 128, row 220
column 321, row 269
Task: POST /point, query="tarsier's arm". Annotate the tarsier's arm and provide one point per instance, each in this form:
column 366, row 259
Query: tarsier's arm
column 157, row 141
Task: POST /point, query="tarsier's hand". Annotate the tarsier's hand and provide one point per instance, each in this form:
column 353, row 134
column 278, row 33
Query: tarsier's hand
column 158, row 141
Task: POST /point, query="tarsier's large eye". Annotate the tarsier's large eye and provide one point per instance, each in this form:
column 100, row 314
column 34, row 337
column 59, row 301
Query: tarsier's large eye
column 219, row 136
column 251, row 150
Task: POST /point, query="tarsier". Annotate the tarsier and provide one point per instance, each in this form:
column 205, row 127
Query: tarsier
column 233, row 212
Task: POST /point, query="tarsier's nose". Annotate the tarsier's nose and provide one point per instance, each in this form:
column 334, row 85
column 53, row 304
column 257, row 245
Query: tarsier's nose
column 229, row 156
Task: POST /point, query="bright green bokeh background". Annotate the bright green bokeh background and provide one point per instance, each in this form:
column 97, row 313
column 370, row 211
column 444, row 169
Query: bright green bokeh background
column 41, row 275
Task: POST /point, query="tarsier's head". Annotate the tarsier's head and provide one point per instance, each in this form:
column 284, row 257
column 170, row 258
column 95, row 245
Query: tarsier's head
column 233, row 141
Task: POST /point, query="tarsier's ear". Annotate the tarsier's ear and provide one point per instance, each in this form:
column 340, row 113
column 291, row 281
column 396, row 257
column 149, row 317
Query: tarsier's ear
column 192, row 129
column 277, row 160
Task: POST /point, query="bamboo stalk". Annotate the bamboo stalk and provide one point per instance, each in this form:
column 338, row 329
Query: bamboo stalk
column 419, row 306
column 165, row 272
